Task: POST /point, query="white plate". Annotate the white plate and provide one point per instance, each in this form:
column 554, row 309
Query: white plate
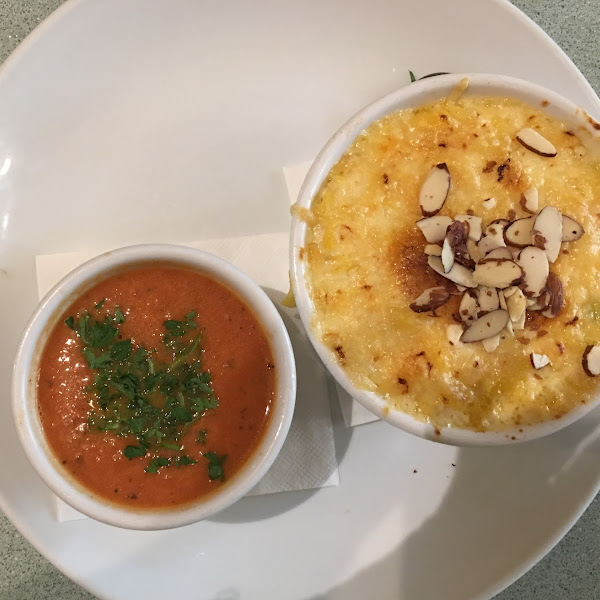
column 150, row 120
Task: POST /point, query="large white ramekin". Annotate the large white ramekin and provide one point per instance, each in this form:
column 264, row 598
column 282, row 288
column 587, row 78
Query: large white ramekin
column 413, row 95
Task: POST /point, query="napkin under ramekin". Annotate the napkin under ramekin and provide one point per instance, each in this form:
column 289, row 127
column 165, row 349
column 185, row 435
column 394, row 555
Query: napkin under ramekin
column 352, row 412
column 307, row 459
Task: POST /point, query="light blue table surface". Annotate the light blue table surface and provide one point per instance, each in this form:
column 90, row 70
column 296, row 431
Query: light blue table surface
column 571, row 571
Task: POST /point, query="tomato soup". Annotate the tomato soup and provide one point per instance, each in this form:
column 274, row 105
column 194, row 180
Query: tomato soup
column 155, row 387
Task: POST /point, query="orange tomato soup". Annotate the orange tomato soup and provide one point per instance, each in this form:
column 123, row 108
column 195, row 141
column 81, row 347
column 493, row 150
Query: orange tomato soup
column 233, row 349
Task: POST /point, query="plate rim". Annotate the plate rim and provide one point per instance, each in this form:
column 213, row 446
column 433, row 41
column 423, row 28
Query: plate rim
column 28, row 532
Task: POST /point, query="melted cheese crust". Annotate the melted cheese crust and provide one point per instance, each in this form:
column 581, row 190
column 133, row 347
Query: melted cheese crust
column 366, row 264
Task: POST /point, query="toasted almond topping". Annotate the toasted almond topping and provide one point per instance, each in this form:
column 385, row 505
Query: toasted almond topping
column 430, row 299
column 488, row 243
column 497, row 273
column 490, row 344
column 487, row 298
column 433, row 250
column 536, row 142
column 554, row 288
column 474, row 225
column 548, row 224
column 434, row 190
column 454, row 331
column 520, row 323
column 509, row 291
column 516, row 304
column 489, row 203
column 530, row 200
column 486, row 327
column 510, row 328
column 496, row 227
column 494, row 236
column 468, row 309
column 539, row 361
column 502, row 300
column 515, row 252
column 499, row 253
column 541, row 303
column 457, row 236
column 591, row 361
column 447, row 256
column 518, row 233
column 457, row 274
column 572, row 230
column 474, row 251
column 534, row 263
column 434, row 228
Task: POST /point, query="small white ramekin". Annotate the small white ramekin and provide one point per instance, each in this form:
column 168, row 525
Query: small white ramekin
column 24, row 384
column 410, row 96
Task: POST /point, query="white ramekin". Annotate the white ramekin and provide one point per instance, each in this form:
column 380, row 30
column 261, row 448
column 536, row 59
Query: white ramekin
column 413, row 95
column 24, row 384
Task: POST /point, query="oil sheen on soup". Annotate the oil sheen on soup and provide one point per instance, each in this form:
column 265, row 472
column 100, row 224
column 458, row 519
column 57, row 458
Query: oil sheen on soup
column 156, row 386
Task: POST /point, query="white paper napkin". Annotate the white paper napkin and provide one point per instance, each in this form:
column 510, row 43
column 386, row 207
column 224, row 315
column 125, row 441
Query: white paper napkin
column 307, row 459
column 353, row 412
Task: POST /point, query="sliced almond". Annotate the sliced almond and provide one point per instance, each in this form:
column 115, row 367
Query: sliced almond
column 572, row 230
column 554, row 288
column 474, row 251
column 536, row 142
column 502, row 299
column 510, row 328
column 490, row 344
column 488, row 243
column 457, row 236
column 489, row 203
column 534, row 263
column 516, row 304
column 468, row 309
column 434, row 190
column 494, row 236
column 515, row 252
column 510, row 291
column 499, row 274
column 502, row 252
column 538, row 304
column 530, row 200
column 547, row 232
column 539, row 361
column 458, row 274
column 447, row 256
column 486, row 327
column 474, row 225
column 518, row 233
column 520, row 322
column 433, row 250
column 496, row 227
column 430, row 299
column 591, row 361
column 487, row 298
column 434, row 228
column 454, row 331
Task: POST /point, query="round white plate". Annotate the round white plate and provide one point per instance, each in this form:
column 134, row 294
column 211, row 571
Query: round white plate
column 155, row 120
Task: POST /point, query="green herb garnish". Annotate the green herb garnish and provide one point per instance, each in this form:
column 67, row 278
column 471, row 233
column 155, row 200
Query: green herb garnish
column 215, row 465
column 138, row 395
column 412, row 76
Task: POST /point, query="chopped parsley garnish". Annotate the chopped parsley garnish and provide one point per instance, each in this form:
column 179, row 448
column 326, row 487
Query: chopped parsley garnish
column 412, row 76
column 138, row 395
column 215, row 465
